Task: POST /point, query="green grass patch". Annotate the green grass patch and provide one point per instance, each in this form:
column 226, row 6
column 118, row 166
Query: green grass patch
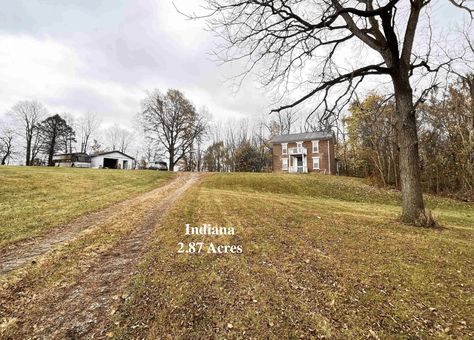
column 34, row 199
column 321, row 186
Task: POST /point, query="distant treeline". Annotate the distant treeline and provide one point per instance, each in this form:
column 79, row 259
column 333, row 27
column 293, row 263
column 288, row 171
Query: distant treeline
column 367, row 140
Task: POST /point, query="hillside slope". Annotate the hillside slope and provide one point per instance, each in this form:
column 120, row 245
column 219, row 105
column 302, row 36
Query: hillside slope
column 35, row 199
column 322, row 257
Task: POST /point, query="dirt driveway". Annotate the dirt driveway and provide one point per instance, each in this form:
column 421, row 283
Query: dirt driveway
column 82, row 305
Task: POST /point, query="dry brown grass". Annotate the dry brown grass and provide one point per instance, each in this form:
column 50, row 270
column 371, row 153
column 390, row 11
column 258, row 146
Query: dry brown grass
column 319, row 260
column 324, row 257
column 70, row 290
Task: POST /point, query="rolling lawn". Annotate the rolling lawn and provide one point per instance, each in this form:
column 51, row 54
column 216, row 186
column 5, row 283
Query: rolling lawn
column 323, row 256
column 35, row 199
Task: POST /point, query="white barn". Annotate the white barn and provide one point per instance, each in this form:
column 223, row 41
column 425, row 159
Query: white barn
column 112, row 160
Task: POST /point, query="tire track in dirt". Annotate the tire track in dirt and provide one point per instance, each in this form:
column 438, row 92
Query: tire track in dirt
column 82, row 309
column 23, row 252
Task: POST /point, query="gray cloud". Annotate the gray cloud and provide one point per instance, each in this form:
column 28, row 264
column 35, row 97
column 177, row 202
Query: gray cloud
column 120, row 50
column 103, row 55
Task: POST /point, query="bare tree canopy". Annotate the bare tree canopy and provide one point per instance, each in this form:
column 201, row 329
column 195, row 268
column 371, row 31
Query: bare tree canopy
column 29, row 114
column 283, row 122
column 87, row 126
column 173, row 121
column 285, row 38
column 7, row 136
column 118, row 138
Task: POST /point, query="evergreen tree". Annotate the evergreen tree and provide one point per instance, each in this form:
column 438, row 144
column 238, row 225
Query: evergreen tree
column 55, row 135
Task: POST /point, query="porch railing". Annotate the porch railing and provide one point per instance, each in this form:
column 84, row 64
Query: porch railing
column 298, row 151
column 298, row 169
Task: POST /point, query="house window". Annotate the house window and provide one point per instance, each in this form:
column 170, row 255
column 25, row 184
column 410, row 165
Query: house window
column 284, row 148
column 316, row 163
column 299, row 144
column 315, row 146
column 284, row 164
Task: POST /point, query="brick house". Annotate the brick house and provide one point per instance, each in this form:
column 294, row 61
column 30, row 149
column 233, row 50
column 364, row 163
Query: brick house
column 304, row 152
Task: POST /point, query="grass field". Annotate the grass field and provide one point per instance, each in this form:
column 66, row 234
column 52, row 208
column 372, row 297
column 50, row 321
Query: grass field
column 322, row 257
column 34, row 199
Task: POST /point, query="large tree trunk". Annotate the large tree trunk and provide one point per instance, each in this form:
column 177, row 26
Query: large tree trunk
column 412, row 196
column 4, row 159
column 171, row 160
column 28, row 152
column 50, row 157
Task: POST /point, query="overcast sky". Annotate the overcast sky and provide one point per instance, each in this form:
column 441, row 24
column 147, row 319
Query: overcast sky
column 102, row 56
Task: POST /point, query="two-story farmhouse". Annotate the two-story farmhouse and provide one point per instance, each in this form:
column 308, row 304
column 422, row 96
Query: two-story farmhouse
column 304, row 152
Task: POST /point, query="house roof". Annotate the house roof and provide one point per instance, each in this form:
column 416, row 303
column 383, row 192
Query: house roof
column 305, row 136
column 109, row 152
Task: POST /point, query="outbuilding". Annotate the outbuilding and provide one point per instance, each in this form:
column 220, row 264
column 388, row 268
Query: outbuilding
column 72, row 160
column 112, row 160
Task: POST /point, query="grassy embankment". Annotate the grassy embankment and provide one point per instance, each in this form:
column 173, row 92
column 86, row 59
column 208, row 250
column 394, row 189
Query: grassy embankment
column 34, row 199
column 322, row 257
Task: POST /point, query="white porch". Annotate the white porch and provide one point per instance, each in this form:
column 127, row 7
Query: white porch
column 298, row 163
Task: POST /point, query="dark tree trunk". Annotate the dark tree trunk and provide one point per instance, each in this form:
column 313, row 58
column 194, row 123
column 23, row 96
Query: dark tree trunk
column 51, row 148
column 171, row 160
column 50, row 158
column 413, row 207
column 28, row 152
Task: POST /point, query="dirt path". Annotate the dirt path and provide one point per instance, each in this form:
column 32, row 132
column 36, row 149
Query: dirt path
column 23, row 252
column 83, row 308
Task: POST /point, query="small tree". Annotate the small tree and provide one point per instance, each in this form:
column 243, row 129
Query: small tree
column 372, row 138
column 215, row 156
column 247, row 158
column 173, row 121
column 96, row 147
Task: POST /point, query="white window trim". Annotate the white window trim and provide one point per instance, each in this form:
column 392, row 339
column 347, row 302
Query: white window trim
column 319, row 165
column 315, row 143
column 283, row 161
column 284, row 146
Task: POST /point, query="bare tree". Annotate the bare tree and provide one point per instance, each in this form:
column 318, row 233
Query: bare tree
column 283, row 37
column 70, row 136
column 87, row 126
column 125, row 138
column 29, row 114
column 283, row 123
column 231, row 141
column 118, row 138
column 152, row 151
column 173, row 121
column 96, row 147
column 7, row 135
column 112, row 137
